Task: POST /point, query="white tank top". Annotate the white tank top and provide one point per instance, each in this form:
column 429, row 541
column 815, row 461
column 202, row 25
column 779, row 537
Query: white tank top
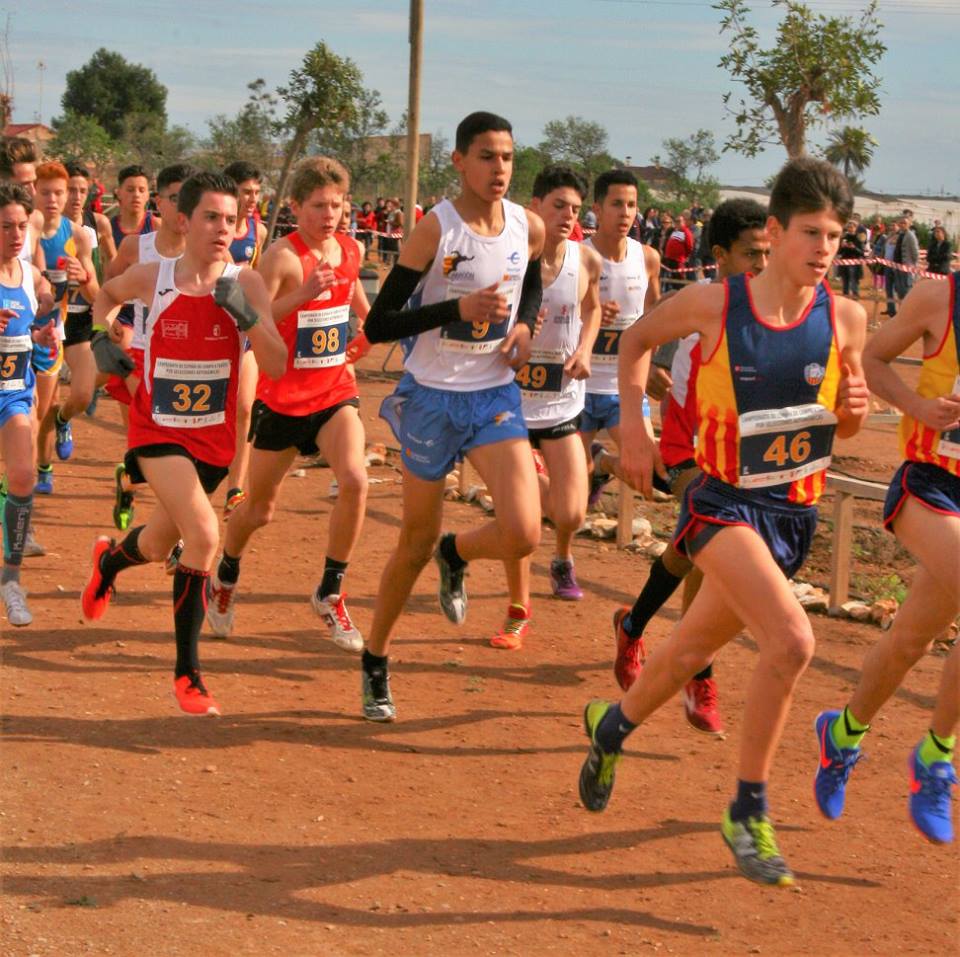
column 463, row 357
column 147, row 254
column 549, row 396
column 626, row 284
column 26, row 252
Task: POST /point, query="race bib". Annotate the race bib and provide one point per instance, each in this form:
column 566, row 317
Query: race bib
column 321, row 337
column 190, row 394
column 477, row 337
column 543, row 374
column 782, row 445
column 607, row 346
column 949, row 445
column 15, row 352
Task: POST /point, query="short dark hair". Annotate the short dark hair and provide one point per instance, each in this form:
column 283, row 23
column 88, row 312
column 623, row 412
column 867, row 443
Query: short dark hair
column 134, row 169
column 470, row 127
column 731, row 218
column 240, row 171
column 613, row 177
column 16, row 149
column 75, row 168
column 808, row 185
column 191, row 192
column 11, row 193
column 175, row 173
column 556, row 177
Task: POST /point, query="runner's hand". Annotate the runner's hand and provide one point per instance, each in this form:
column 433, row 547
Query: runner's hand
column 659, row 383
column 485, row 305
column 320, row 280
column 609, row 311
column 853, row 396
column 578, row 365
column 228, row 294
column 941, row 413
column 516, row 346
column 358, row 347
column 5, row 316
column 46, row 336
column 110, row 358
column 639, row 459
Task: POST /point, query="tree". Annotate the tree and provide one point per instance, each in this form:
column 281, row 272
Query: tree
column 81, row 138
column 147, row 141
column 850, row 148
column 818, row 66
column 251, row 135
column 527, row 162
column 437, row 175
column 685, row 162
column 108, row 89
column 321, row 95
column 578, row 143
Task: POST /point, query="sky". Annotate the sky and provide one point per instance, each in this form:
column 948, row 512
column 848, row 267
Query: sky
column 644, row 69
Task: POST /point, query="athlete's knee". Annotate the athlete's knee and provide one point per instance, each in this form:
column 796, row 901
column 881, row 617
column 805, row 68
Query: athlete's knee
column 519, row 539
column 793, row 646
column 259, row 512
column 203, row 536
column 20, row 478
column 352, row 483
column 568, row 516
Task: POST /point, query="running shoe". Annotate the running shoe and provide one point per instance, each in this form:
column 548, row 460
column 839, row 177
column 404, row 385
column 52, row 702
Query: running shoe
column 452, row 591
column 600, row 768
column 221, row 603
column 515, row 626
column 44, row 484
column 122, row 499
column 598, row 479
column 91, row 409
column 15, row 602
column 64, row 440
column 96, row 596
column 31, row 547
column 700, row 705
column 754, row 846
column 539, row 464
column 563, row 580
column 930, row 798
column 377, row 700
column 173, row 559
column 333, row 611
column 192, row 695
column 235, row 498
column 631, row 653
column 833, row 768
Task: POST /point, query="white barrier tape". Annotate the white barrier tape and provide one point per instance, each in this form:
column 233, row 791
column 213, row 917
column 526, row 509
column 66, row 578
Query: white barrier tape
column 899, row 267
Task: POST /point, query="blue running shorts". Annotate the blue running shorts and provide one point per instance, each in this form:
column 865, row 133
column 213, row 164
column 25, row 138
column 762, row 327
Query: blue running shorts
column 933, row 487
column 599, row 412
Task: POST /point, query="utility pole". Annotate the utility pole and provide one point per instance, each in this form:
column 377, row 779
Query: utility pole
column 41, row 67
column 413, row 117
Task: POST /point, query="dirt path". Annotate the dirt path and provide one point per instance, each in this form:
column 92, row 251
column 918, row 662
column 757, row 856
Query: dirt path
column 290, row 826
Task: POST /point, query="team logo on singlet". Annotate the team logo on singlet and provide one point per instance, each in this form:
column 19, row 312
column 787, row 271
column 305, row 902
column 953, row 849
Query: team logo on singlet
column 451, row 262
column 175, row 329
column 813, row 373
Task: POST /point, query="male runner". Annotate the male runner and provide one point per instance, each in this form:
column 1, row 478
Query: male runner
column 739, row 244
column 67, row 251
column 552, row 389
column 471, row 305
column 20, row 283
column 923, row 510
column 132, row 193
column 246, row 249
column 629, row 286
column 779, row 376
column 183, row 418
column 98, row 227
column 311, row 276
column 18, row 165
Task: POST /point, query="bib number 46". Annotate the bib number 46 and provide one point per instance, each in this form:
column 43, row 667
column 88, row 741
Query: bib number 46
column 780, row 453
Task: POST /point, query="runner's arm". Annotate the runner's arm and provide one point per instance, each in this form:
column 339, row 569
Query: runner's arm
column 88, row 288
column 137, row 282
column 853, row 395
column 268, row 347
column 108, row 248
column 128, row 253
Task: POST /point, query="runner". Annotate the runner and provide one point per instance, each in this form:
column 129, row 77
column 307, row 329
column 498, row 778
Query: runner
column 552, row 390
column 780, row 375
column 923, row 511
column 246, row 248
column 738, row 242
column 18, row 165
column 311, row 276
column 629, row 286
column 473, row 303
column 20, row 283
column 183, row 417
column 67, row 251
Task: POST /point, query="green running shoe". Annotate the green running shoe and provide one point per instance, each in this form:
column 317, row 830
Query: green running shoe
column 123, row 500
column 600, row 768
column 754, row 846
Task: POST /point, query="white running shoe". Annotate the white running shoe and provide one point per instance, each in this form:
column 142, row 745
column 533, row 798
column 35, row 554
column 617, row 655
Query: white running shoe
column 333, row 610
column 31, row 547
column 221, row 602
column 15, row 601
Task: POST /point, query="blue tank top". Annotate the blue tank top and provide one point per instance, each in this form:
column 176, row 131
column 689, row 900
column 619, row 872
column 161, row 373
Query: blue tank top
column 55, row 247
column 244, row 249
column 16, row 346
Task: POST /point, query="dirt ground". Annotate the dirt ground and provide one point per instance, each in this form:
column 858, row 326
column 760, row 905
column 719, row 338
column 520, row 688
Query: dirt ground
column 291, row 826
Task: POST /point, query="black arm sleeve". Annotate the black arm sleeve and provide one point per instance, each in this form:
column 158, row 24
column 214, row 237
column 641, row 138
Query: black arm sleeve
column 388, row 320
column 531, row 295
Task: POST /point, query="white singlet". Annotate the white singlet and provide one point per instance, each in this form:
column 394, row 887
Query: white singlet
column 551, row 397
column 462, row 356
column 626, row 284
column 148, row 254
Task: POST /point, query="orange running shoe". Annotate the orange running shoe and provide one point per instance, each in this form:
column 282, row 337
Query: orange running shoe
column 96, row 596
column 630, row 652
column 510, row 636
column 192, row 695
column 235, row 498
column 539, row 464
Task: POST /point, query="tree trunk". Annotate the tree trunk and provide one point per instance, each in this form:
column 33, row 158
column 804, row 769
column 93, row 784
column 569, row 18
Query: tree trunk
column 296, row 144
column 791, row 123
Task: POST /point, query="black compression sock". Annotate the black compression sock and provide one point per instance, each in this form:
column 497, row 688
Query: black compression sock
column 661, row 584
column 448, row 549
column 751, row 800
column 228, row 571
column 332, row 581
column 189, row 609
column 123, row 555
column 706, row 673
column 373, row 663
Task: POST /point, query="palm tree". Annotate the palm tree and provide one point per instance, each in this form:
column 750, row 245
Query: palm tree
column 850, row 148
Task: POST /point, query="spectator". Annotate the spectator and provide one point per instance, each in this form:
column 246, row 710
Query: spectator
column 589, row 221
column 939, row 251
column 889, row 273
column 708, row 264
column 366, row 225
column 878, row 244
column 907, row 253
column 677, row 249
column 851, row 247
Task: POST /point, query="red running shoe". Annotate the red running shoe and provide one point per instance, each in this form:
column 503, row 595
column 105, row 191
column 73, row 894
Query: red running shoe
column 700, row 705
column 95, row 596
column 630, row 652
column 192, row 695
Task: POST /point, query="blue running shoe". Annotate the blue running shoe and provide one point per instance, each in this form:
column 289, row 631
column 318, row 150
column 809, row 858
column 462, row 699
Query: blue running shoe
column 64, row 439
column 91, row 409
column 44, row 484
column 833, row 769
column 930, row 798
